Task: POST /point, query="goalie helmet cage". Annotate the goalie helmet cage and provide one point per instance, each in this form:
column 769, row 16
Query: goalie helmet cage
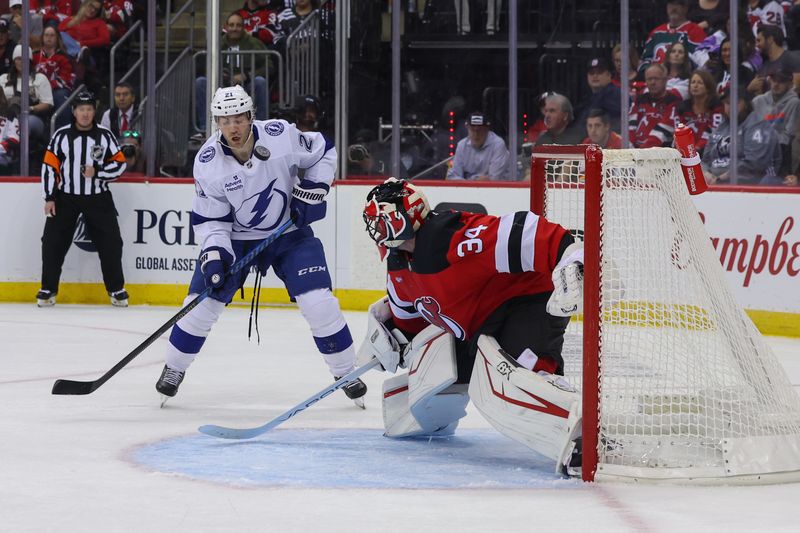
column 677, row 383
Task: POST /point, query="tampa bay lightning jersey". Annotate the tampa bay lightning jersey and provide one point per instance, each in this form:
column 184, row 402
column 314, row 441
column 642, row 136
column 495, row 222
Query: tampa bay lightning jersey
column 235, row 201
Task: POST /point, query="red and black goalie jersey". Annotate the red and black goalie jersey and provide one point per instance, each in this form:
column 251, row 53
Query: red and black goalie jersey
column 465, row 265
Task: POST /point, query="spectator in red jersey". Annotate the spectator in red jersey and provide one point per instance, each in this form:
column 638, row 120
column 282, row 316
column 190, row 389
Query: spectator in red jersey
column 118, row 15
column 598, row 130
column 652, row 116
column 9, row 138
column 680, row 68
column 702, row 112
column 538, row 127
column 260, row 21
column 54, row 11
column 53, row 62
column 678, row 28
column 87, row 28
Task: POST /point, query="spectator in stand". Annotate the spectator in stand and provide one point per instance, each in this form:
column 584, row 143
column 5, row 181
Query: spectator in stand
column 237, row 65
column 122, row 116
column 598, row 130
column 679, row 68
column 558, row 115
column 604, row 94
column 652, row 116
column 130, row 144
column 308, row 113
column 55, row 11
column 40, row 95
column 719, row 65
column 765, row 13
column 711, row 15
column 780, row 107
column 9, row 138
column 86, row 33
column 6, row 48
column 635, row 81
column 14, row 20
column 482, row 154
column 702, row 112
column 758, row 152
column 493, row 9
column 260, row 21
column 538, row 127
column 677, row 28
column 118, row 15
column 53, row 62
column 769, row 42
column 290, row 18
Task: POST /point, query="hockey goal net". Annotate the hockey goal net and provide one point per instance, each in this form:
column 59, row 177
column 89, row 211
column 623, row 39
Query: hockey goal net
column 677, row 382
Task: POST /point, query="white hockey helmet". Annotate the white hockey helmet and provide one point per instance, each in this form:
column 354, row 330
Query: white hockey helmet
column 230, row 101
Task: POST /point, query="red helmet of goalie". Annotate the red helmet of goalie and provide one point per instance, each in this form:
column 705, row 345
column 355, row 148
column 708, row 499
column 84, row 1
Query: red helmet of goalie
column 395, row 210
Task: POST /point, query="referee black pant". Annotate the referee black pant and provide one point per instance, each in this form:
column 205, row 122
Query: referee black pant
column 100, row 217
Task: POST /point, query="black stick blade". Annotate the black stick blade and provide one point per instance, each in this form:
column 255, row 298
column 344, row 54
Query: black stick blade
column 67, row 386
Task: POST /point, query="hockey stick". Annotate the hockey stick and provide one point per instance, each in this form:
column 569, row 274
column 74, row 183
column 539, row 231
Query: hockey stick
column 249, row 433
column 67, row 386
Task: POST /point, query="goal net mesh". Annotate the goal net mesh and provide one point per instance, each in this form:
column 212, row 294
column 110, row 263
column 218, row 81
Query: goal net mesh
column 687, row 385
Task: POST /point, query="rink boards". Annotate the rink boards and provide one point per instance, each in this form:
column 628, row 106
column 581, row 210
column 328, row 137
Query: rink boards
column 756, row 235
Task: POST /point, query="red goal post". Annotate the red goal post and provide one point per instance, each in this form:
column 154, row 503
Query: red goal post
column 677, row 384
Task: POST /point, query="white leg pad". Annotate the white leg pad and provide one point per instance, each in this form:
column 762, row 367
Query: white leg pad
column 523, row 405
column 425, row 401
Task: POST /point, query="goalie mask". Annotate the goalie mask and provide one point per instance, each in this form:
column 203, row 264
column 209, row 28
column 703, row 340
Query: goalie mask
column 395, row 210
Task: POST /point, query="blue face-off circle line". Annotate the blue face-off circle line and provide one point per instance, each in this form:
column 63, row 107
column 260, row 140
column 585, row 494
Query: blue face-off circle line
column 354, row 459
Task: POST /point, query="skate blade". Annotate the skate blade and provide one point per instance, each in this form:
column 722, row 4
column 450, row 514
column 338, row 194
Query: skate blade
column 360, row 402
column 164, row 399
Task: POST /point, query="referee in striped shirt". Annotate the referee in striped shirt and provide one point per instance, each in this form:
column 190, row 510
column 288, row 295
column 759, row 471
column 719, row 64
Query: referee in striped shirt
column 80, row 161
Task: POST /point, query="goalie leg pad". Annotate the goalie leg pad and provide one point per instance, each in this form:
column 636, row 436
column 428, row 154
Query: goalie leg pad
column 535, row 411
column 425, row 401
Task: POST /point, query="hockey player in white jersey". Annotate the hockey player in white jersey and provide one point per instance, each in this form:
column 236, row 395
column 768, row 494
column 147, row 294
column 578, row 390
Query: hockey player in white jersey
column 247, row 185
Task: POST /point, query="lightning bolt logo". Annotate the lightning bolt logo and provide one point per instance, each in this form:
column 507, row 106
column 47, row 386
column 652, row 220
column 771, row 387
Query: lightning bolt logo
column 263, row 210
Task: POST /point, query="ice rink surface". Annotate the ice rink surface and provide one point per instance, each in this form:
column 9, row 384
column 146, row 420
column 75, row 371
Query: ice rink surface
column 114, row 461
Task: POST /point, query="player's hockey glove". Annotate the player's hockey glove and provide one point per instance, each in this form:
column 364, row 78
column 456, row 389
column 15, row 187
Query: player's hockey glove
column 567, row 297
column 308, row 202
column 387, row 347
column 214, row 264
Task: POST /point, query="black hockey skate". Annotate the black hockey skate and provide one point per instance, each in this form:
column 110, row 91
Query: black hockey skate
column 45, row 298
column 119, row 298
column 168, row 383
column 355, row 390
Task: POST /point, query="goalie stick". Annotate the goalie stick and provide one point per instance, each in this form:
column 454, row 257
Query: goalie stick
column 68, row 386
column 249, row 433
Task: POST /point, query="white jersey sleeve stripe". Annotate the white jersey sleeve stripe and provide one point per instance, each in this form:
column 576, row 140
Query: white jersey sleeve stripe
column 501, row 246
column 528, row 239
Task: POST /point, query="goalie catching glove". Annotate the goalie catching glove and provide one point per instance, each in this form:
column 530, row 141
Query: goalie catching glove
column 567, row 297
column 384, row 345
